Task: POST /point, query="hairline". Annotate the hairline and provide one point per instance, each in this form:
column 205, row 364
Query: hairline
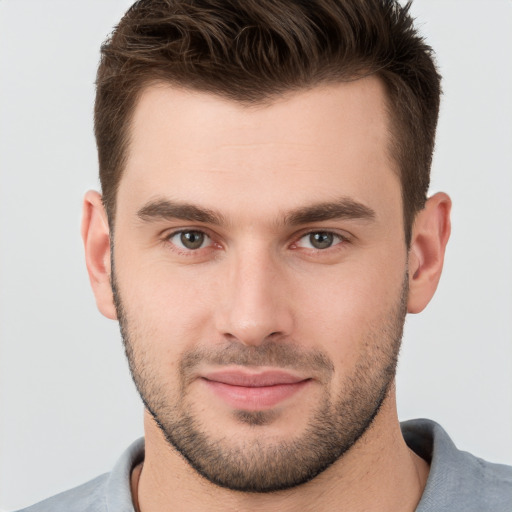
column 266, row 100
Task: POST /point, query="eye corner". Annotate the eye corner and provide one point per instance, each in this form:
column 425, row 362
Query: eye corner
column 188, row 240
column 319, row 240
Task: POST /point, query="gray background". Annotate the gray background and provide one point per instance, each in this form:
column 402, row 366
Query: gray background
column 67, row 404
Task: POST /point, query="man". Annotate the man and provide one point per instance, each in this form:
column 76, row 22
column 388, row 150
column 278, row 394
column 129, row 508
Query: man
column 263, row 231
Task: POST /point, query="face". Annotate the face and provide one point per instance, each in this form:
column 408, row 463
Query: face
column 260, row 276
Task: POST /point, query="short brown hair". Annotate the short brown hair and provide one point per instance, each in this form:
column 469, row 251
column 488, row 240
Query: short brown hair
column 252, row 51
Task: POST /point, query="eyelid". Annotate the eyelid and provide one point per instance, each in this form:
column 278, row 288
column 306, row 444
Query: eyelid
column 168, row 235
column 344, row 238
column 170, row 232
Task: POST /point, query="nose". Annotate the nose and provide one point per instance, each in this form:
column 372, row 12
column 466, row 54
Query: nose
column 255, row 302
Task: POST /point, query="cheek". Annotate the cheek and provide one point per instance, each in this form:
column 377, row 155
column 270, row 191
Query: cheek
column 339, row 310
column 167, row 308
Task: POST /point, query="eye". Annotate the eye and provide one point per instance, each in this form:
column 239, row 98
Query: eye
column 320, row 240
column 190, row 240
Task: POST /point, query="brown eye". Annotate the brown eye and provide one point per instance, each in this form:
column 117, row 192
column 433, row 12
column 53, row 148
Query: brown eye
column 190, row 240
column 321, row 240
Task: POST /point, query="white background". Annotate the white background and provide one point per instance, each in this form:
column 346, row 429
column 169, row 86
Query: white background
column 67, row 404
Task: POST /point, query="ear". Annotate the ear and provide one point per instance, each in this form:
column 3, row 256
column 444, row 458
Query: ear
column 430, row 235
column 96, row 238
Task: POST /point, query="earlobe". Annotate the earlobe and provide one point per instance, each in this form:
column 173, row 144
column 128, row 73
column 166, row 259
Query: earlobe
column 96, row 239
column 430, row 235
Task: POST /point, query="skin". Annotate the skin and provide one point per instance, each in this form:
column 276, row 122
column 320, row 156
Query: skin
column 260, row 279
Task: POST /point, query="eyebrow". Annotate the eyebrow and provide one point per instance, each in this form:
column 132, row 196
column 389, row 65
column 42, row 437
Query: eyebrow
column 344, row 208
column 163, row 209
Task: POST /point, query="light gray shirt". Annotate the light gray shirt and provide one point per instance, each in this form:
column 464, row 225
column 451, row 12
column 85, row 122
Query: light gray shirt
column 458, row 481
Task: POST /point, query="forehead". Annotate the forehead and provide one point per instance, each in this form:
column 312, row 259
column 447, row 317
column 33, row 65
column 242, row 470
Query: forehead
column 302, row 147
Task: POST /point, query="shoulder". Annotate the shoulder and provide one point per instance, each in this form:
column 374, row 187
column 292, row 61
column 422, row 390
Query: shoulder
column 88, row 497
column 458, row 480
column 107, row 493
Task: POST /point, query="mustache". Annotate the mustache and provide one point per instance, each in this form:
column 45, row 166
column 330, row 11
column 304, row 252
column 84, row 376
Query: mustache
column 270, row 353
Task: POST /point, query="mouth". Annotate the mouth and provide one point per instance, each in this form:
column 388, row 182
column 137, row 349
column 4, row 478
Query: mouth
column 253, row 391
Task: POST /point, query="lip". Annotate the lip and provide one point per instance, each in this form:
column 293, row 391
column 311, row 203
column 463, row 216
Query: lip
column 252, row 391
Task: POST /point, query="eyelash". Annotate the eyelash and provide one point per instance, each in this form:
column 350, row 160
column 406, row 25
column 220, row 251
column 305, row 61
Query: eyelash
column 183, row 251
column 343, row 240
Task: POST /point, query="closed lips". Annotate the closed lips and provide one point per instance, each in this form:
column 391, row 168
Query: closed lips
column 249, row 380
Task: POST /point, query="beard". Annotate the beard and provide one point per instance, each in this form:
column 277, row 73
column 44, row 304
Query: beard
column 261, row 463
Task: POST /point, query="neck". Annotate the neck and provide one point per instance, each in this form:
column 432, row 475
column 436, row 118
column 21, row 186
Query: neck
column 378, row 469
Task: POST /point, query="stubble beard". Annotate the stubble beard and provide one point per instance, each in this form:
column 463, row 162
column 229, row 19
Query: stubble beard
column 260, row 464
